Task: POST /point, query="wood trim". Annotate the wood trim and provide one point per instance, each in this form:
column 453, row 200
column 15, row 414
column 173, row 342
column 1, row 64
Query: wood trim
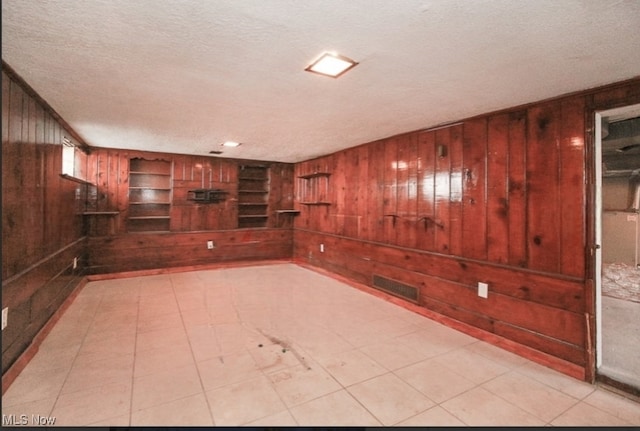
column 41, row 261
column 541, row 358
column 179, row 269
column 461, row 260
column 16, row 368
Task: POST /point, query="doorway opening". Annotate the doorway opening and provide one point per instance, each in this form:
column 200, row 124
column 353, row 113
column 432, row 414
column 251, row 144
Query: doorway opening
column 617, row 259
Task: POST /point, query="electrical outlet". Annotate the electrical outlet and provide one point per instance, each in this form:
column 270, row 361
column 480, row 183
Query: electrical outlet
column 483, row 290
column 5, row 317
column 75, row 262
column 321, row 248
column 210, row 245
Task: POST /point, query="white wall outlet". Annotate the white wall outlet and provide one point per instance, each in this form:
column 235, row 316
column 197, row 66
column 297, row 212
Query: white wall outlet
column 210, row 245
column 321, row 248
column 5, row 317
column 483, row 290
column 75, row 262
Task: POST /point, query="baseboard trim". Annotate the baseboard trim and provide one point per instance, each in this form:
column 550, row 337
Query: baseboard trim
column 557, row 364
column 25, row 357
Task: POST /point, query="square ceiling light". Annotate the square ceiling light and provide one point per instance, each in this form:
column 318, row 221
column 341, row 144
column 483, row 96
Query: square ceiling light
column 331, row 64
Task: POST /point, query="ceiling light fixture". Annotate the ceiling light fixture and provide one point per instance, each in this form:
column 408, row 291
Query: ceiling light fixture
column 331, row 64
column 232, row 144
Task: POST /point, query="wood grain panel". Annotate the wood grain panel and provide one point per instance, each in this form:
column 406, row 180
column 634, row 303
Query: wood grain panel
column 426, row 190
column 517, row 180
column 474, row 209
column 376, row 206
column 497, row 189
column 543, row 197
column 441, row 224
column 572, row 188
column 456, row 197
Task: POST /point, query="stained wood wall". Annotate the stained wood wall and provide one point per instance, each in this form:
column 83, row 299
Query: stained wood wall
column 42, row 228
column 500, row 198
column 192, row 224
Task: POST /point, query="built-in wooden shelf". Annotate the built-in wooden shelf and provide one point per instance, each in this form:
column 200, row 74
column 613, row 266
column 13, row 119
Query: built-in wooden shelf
column 315, row 188
column 149, row 195
column 149, row 218
column 315, row 175
column 253, row 195
column 98, row 213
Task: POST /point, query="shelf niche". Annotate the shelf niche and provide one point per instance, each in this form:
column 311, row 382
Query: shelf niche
column 149, row 195
column 253, row 196
column 315, row 188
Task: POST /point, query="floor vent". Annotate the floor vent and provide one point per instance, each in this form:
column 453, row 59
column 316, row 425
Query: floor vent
column 396, row 288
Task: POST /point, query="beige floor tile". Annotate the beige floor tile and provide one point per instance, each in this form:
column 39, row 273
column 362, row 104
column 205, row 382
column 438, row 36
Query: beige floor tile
column 479, row 407
column 434, row 380
column 430, row 342
column 280, row 419
column 226, row 370
column 391, row 354
column 390, row 399
column 34, row 386
column 162, row 338
column 52, row 358
column 302, row 383
column 434, row 417
column 617, row 405
column 40, row 407
column 583, row 414
column 88, row 374
column 109, row 347
column 160, row 321
column 244, row 402
column 204, row 342
column 351, row 367
column 118, row 421
column 275, row 357
column 160, row 388
column 476, row 368
column 162, row 359
column 92, row 405
column 540, row 400
column 497, row 355
column 570, row 386
column 196, row 317
column 335, row 409
column 188, row 411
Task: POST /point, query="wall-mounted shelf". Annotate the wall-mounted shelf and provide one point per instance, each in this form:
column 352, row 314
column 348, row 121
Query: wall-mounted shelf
column 290, row 212
column 314, row 189
column 314, row 175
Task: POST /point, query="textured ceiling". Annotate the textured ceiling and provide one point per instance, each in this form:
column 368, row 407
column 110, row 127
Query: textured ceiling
column 183, row 76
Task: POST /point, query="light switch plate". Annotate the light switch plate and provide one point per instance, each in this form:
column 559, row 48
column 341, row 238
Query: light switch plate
column 483, row 290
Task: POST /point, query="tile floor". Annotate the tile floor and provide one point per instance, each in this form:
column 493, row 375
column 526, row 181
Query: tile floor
column 279, row 345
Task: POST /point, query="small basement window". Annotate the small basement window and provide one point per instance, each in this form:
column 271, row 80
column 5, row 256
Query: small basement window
column 68, row 157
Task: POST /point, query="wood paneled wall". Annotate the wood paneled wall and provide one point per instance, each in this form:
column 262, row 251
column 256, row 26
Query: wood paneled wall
column 501, row 198
column 192, row 224
column 109, row 170
column 42, row 228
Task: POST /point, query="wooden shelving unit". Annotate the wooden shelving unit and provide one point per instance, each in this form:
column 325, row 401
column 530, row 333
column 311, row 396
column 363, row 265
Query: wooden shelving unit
column 253, row 196
column 315, row 189
column 149, row 195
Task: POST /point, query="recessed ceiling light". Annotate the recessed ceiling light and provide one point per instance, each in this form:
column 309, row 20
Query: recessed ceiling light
column 231, row 144
column 331, row 64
